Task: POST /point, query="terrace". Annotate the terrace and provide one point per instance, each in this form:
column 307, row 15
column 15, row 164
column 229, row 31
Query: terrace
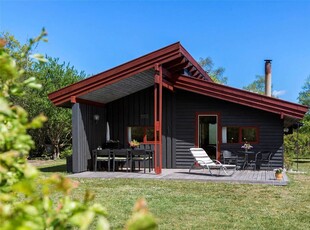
column 240, row 177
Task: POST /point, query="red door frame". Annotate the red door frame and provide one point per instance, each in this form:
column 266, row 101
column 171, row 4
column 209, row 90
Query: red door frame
column 219, row 130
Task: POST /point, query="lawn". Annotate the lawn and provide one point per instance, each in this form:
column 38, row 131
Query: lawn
column 204, row 205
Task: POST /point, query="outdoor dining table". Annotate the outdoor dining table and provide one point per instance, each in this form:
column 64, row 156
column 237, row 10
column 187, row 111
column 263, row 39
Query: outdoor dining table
column 247, row 156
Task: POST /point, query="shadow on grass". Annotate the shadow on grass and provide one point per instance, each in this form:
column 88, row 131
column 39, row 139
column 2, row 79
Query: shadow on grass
column 56, row 168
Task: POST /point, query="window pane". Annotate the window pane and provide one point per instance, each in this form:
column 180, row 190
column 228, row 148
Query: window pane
column 150, row 134
column 232, row 134
column 137, row 133
column 249, row 134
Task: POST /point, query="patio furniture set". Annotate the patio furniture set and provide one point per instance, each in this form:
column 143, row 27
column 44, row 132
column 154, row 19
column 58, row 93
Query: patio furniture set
column 120, row 158
column 231, row 162
column 248, row 159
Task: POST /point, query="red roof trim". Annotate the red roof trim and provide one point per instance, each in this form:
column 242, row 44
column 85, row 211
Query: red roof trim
column 242, row 97
column 74, row 100
column 193, row 61
column 161, row 56
column 128, row 69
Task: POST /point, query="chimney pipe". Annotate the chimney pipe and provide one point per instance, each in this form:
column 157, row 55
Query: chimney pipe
column 268, row 78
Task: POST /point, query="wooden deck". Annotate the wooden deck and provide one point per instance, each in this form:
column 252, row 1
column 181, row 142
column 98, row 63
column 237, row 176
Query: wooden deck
column 241, row 177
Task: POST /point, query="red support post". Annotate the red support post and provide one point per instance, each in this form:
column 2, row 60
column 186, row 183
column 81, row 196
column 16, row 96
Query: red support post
column 158, row 84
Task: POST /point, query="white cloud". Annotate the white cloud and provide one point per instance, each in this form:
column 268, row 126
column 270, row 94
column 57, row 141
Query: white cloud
column 278, row 93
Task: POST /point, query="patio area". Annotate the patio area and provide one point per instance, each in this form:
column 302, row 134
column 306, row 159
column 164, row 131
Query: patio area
column 241, row 177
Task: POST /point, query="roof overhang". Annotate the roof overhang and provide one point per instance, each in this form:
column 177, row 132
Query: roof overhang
column 131, row 76
column 180, row 71
column 290, row 112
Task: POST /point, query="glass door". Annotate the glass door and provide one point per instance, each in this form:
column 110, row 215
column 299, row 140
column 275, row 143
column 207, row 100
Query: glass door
column 207, row 134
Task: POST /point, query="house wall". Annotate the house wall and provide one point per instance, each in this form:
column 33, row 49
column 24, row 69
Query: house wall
column 87, row 134
column 138, row 110
column 179, row 121
column 188, row 104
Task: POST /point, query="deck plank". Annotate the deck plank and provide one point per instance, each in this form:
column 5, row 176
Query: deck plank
column 242, row 176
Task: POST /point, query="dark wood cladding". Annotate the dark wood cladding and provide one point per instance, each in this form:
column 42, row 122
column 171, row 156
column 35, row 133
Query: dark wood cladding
column 232, row 114
column 179, row 131
column 138, row 110
column 87, row 134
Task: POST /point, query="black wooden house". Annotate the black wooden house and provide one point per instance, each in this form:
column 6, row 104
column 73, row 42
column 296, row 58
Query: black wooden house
column 167, row 101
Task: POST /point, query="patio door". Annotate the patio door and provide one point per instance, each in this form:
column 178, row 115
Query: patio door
column 208, row 134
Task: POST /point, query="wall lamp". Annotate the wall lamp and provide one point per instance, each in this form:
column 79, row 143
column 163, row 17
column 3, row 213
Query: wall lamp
column 96, row 118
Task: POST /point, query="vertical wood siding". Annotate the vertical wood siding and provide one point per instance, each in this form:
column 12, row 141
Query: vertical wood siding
column 179, row 114
column 87, row 134
column 187, row 104
column 127, row 112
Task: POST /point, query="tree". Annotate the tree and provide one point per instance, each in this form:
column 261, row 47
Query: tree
column 28, row 201
column 52, row 75
column 217, row 75
column 302, row 143
column 304, row 99
column 304, row 95
column 23, row 203
column 257, row 86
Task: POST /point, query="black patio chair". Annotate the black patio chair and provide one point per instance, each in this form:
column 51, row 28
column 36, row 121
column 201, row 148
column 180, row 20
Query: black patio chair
column 121, row 156
column 101, row 155
column 229, row 157
column 141, row 155
column 254, row 160
column 264, row 158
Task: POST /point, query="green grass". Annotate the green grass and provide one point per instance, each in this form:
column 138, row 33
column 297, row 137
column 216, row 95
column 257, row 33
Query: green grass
column 205, row 205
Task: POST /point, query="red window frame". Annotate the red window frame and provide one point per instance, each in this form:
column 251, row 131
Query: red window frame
column 145, row 141
column 240, row 140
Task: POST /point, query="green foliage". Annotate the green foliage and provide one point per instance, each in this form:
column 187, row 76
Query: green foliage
column 304, row 99
column 53, row 75
column 257, row 86
column 217, row 75
column 304, row 95
column 23, row 203
column 26, row 200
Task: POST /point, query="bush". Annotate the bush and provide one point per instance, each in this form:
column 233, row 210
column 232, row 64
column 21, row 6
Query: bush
column 26, row 200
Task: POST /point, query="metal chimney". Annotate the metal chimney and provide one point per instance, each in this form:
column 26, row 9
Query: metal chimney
column 268, row 78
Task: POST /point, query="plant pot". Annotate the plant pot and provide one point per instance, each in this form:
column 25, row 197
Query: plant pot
column 279, row 176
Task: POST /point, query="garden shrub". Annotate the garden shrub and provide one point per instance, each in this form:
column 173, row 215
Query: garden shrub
column 28, row 201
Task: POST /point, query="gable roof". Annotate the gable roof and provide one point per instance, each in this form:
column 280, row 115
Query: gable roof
column 173, row 58
column 180, row 71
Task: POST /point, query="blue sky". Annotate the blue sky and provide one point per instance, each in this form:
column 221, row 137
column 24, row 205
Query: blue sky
column 238, row 35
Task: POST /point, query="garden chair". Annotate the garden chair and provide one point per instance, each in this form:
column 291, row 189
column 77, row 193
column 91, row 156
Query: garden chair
column 120, row 156
column 229, row 158
column 202, row 160
column 101, row 155
column 264, row 158
column 140, row 155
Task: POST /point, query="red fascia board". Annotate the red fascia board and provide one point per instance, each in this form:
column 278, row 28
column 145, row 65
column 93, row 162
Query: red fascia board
column 243, row 97
column 145, row 62
column 100, row 84
column 195, row 63
column 87, row 102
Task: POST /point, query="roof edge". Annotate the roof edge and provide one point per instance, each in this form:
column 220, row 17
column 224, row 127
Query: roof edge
column 243, row 97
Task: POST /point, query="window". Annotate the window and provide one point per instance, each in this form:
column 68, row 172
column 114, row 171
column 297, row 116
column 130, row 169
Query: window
column 249, row 134
column 239, row 134
column 233, row 134
column 141, row 134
